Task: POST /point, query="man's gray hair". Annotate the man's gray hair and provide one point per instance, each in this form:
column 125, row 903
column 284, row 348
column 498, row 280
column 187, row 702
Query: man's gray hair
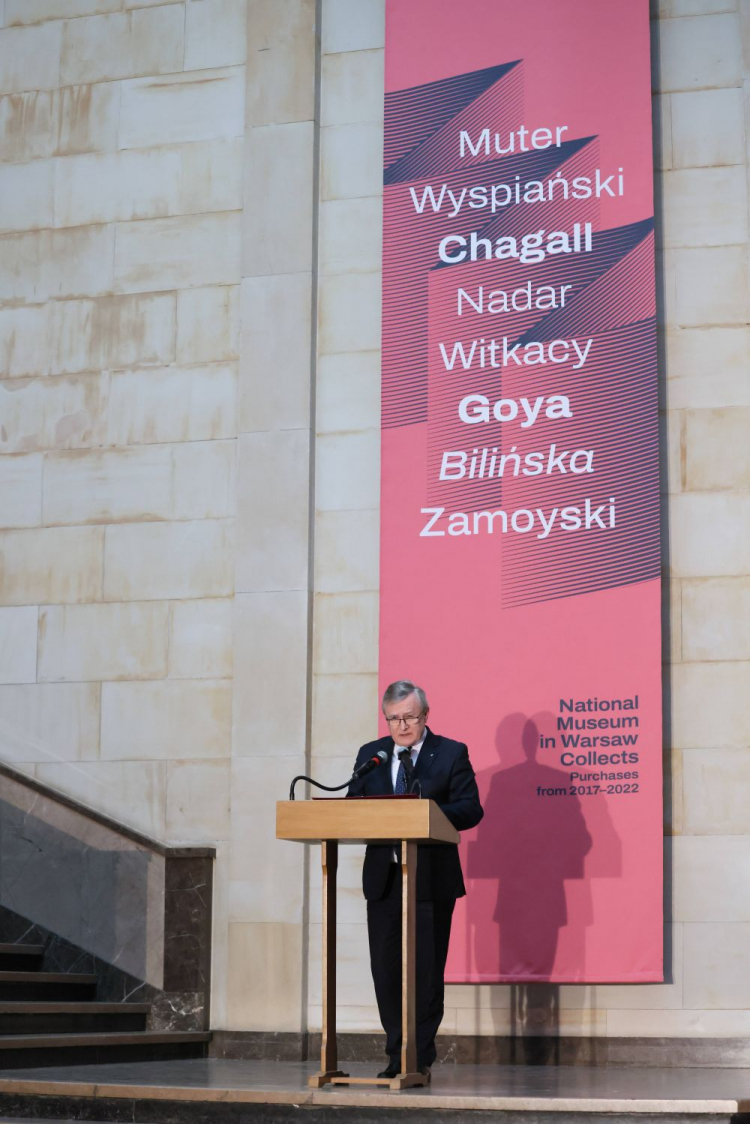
column 401, row 689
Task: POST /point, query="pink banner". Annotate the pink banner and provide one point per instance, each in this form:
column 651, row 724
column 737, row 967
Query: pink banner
column 520, row 467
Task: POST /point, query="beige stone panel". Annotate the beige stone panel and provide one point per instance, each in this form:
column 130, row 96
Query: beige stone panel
column 132, row 792
column 30, row 58
column 123, row 45
column 666, row 996
column 52, row 413
column 349, row 315
column 716, row 967
column 707, row 367
column 354, row 979
column 674, row 791
column 274, row 506
column 43, row 264
column 704, row 207
column 348, row 471
column 37, row 11
column 265, row 967
column 172, row 404
column 112, row 332
column 275, row 349
column 359, row 1019
column 718, row 449
column 348, row 392
column 270, row 674
column 352, row 27
column 20, row 491
column 208, row 324
column 662, row 128
column 205, row 480
column 678, row 1024
column 109, row 187
column 672, row 465
column 700, row 53
column 178, row 253
column 710, row 705
column 26, row 191
column 18, row 644
column 172, row 719
column 197, row 801
column 281, row 61
column 351, row 905
column 200, row 639
column 28, row 125
column 573, row 1023
column 351, row 161
column 345, row 633
column 49, row 722
column 671, row 620
column 472, row 996
column 215, row 33
column 667, row 9
column 24, row 341
column 82, row 643
column 351, row 236
column 278, row 199
column 711, row 285
column 110, row 486
column 710, row 534
column 211, row 176
column 156, row 561
column 89, row 118
column 182, row 107
column 715, row 782
column 352, row 88
column 51, row 565
column 716, row 619
column 345, row 713
column 256, row 892
column 347, row 551
column 708, row 128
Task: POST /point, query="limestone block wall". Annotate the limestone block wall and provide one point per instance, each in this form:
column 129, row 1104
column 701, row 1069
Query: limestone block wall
column 122, row 126
column 190, row 228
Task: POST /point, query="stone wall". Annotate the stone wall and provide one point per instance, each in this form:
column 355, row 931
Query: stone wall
column 189, row 485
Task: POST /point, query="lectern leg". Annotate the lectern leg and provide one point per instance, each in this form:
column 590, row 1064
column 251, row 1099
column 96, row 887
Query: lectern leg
column 409, row 1074
column 329, row 857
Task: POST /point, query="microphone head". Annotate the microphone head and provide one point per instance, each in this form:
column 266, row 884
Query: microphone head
column 382, row 756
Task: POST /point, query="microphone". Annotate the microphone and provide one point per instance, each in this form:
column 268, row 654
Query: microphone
column 379, row 759
column 405, row 759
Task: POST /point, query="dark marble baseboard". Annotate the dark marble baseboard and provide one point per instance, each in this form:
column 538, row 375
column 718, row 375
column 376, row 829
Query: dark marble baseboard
column 721, row 1053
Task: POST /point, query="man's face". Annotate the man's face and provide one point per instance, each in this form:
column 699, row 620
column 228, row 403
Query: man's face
column 406, row 720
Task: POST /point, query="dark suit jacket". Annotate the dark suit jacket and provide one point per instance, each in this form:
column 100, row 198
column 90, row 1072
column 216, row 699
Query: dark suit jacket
column 446, row 776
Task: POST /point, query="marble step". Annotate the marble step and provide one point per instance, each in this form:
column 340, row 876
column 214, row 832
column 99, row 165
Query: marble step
column 34, row 1050
column 21, row 957
column 27, row 1017
column 46, row 985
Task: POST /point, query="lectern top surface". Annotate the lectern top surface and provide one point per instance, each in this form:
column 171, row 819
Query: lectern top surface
column 363, row 821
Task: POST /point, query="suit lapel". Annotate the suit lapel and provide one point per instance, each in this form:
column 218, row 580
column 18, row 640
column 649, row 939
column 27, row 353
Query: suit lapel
column 427, row 755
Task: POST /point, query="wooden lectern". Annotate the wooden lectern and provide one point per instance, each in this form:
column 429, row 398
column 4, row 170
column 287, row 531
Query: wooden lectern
column 403, row 821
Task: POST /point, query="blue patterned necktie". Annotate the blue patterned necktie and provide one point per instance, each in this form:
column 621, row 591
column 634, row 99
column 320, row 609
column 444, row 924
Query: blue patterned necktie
column 400, row 788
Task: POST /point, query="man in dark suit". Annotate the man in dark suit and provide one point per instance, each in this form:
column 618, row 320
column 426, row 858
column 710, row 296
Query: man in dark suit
column 441, row 770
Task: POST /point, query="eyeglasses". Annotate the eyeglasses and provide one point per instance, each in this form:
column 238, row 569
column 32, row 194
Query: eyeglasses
column 407, row 719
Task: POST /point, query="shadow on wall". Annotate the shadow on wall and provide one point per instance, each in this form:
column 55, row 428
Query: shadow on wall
column 97, row 899
column 530, row 869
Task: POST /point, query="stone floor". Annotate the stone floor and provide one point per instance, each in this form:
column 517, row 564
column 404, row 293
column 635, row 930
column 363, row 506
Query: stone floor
column 544, row 1089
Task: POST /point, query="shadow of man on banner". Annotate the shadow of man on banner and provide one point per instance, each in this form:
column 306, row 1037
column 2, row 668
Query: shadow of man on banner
column 533, row 840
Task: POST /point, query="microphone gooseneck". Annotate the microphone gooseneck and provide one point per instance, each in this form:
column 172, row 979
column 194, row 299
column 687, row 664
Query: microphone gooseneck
column 373, row 762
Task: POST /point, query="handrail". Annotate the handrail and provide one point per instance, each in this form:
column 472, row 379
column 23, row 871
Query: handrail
column 105, row 821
